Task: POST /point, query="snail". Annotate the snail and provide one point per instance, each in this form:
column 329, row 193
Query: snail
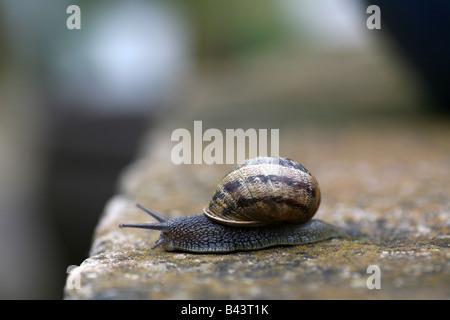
column 264, row 202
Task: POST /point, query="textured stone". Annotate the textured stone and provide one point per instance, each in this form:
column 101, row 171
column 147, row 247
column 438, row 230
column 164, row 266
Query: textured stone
column 386, row 183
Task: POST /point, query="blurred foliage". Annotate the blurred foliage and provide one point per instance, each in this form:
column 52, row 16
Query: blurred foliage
column 230, row 29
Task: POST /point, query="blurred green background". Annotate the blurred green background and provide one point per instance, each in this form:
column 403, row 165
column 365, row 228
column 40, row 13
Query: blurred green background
column 74, row 104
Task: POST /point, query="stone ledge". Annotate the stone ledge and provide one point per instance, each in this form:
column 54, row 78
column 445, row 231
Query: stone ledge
column 390, row 186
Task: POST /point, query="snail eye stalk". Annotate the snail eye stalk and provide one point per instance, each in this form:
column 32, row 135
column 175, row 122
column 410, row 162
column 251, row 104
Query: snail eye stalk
column 155, row 215
column 162, row 225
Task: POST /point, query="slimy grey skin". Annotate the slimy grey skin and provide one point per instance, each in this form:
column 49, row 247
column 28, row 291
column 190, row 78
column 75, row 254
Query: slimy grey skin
column 197, row 233
column 265, row 202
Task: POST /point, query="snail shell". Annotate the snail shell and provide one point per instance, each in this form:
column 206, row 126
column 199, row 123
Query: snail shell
column 265, row 190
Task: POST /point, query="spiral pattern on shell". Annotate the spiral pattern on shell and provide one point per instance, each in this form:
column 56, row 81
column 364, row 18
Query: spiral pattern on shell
column 265, row 190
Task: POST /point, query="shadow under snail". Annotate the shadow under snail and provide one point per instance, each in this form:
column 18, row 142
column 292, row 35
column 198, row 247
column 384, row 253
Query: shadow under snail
column 264, row 202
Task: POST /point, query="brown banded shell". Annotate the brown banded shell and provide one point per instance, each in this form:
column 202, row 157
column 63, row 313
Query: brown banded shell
column 265, row 190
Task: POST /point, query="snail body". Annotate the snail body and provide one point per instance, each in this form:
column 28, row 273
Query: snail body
column 265, row 202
